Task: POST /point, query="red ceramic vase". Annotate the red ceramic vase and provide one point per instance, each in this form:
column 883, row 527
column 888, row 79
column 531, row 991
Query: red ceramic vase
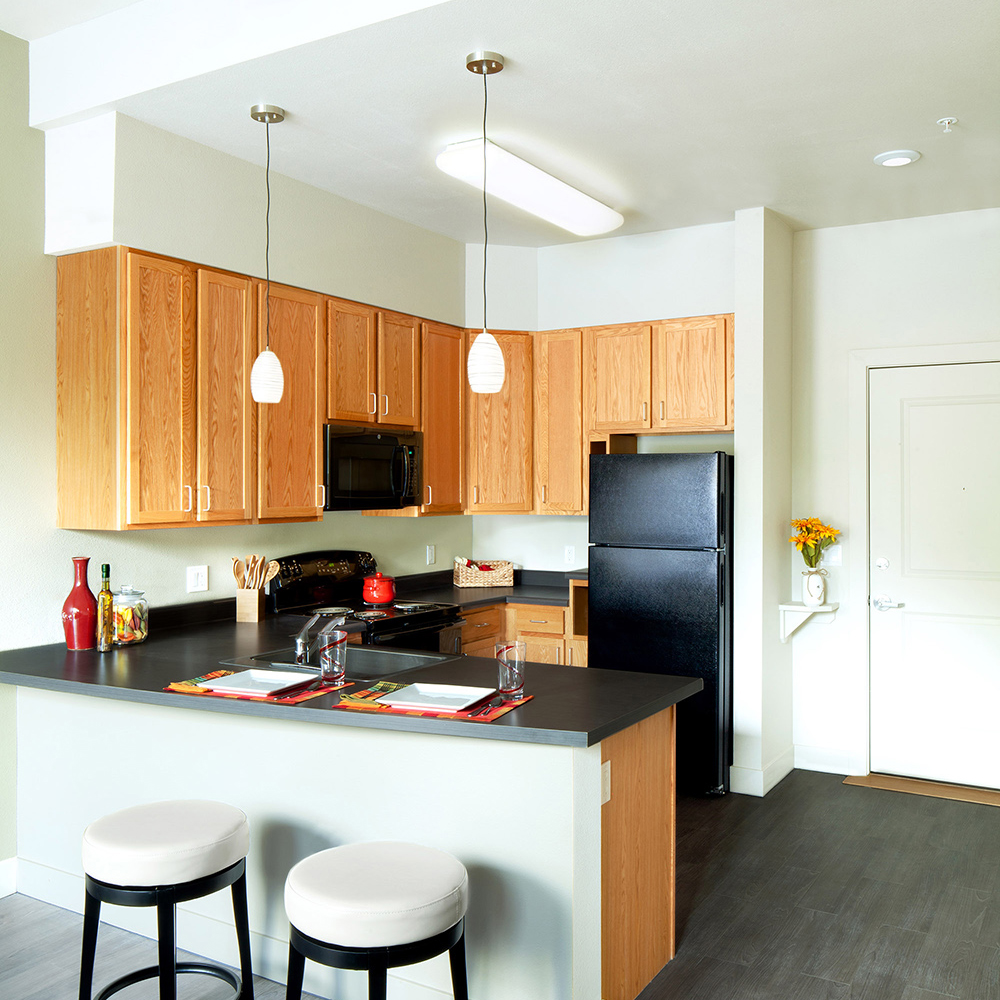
column 79, row 612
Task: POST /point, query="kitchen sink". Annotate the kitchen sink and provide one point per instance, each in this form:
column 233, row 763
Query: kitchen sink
column 369, row 663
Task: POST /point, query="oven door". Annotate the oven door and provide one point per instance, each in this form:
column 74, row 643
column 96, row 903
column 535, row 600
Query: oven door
column 443, row 637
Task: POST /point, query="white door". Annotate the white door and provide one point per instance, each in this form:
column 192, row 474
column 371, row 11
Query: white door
column 934, row 502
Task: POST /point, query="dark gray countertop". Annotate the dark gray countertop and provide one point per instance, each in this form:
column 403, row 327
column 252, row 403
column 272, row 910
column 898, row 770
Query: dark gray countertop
column 573, row 706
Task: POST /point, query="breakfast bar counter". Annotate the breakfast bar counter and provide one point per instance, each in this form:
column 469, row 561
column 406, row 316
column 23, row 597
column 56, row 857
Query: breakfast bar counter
column 562, row 810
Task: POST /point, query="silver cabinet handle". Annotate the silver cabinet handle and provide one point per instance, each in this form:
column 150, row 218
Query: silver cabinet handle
column 645, row 408
column 883, row 603
column 187, row 509
column 374, row 408
column 569, row 656
column 385, row 412
column 663, row 407
column 208, row 496
column 429, row 494
column 557, row 654
column 475, row 494
column 322, row 486
column 539, row 621
column 543, row 492
column 483, row 625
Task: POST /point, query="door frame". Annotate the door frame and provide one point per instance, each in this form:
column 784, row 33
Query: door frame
column 860, row 363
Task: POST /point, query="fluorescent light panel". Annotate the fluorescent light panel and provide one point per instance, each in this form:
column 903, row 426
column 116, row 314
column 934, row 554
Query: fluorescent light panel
column 517, row 182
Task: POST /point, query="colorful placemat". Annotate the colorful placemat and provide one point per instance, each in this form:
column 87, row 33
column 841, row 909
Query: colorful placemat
column 366, row 700
column 193, row 686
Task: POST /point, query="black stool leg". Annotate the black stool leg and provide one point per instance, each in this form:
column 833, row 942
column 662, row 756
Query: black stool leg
column 166, row 927
column 459, row 981
column 296, row 966
column 376, row 982
column 88, row 950
column 242, row 920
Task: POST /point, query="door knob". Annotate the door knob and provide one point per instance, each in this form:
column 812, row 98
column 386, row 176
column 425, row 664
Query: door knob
column 883, row 603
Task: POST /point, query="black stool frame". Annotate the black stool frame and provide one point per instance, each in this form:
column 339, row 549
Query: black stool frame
column 165, row 898
column 377, row 960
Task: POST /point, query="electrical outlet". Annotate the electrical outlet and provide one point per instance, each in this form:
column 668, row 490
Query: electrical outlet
column 569, row 555
column 431, row 555
column 197, row 578
column 605, row 782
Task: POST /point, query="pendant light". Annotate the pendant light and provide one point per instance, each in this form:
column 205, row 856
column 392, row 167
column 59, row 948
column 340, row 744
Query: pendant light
column 267, row 380
column 484, row 365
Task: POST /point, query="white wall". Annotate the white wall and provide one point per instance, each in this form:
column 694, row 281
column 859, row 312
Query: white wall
column 908, row 283
column 511, row 287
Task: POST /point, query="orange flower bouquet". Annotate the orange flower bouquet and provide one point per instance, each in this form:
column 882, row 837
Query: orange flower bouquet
column 813, row 536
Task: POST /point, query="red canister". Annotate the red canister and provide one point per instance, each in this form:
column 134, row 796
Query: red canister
column 379, row 589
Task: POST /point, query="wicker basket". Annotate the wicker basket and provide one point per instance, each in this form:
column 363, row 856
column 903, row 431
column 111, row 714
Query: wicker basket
column 502, row 575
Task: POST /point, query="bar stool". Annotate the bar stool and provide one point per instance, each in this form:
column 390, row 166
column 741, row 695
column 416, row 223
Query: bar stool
column 159, row 855
column 376, row 906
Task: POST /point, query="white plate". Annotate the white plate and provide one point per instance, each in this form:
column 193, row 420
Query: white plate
column 260, row 683
column 436, row 697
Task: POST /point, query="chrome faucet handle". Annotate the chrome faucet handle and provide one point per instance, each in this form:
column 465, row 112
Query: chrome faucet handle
column 302, row 640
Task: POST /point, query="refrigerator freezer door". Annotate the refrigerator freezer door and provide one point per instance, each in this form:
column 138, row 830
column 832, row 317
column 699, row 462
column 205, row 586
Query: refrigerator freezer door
column 658, row 501
column 661, row 611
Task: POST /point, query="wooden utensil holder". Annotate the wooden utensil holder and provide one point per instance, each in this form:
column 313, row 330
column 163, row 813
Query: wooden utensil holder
column 249, row 605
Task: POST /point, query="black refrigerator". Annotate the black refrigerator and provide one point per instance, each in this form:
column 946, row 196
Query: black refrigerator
column 660, row 591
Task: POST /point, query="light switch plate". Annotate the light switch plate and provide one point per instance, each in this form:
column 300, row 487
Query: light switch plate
column 569, row 555
column 197, row 579
column 605, row 782
column 431, row 555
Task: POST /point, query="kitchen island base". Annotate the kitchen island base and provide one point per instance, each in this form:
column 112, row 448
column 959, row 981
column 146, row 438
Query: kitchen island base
column 525, row 819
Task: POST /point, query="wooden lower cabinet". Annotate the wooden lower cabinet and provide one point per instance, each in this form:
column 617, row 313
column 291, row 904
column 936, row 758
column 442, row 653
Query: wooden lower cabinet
column 544, row 629
column 576, row 652
column 289, row 442
column 483, row 628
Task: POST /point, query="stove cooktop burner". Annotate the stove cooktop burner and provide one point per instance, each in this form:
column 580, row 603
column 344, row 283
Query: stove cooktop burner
column 366, row 616
column 412, row 605
column 332, row 611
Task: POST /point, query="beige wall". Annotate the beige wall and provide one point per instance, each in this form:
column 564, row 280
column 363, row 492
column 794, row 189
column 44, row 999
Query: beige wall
column 904, row 284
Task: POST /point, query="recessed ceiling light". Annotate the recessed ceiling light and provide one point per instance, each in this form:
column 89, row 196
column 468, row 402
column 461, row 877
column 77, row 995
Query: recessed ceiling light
column 897, row 157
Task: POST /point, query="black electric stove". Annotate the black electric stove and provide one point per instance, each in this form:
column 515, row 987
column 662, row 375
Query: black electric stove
column 332, row 581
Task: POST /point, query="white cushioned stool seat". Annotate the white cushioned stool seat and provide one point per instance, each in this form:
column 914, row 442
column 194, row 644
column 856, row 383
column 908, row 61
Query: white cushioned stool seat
column 165, row 843
column 375, row 895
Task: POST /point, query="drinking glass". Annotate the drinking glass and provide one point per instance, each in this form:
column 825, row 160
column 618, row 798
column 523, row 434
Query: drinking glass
column 510, row 659
column 333, row 656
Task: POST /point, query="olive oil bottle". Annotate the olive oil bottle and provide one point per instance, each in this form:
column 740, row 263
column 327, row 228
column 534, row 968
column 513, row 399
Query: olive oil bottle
column 105, row 612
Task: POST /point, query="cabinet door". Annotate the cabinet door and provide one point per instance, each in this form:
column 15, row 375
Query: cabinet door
column 543, row 649
column 558, row 423
column 225, row 344
column 499, row 435
column 690, row 373
column 351, row 391
column 289, row 448
column 398, row 369
column 160, row 398
column 617, row 378
column 576, row 652
column 443, row 418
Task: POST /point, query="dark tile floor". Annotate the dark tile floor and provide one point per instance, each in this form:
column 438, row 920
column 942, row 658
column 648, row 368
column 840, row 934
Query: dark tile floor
column 826, row 891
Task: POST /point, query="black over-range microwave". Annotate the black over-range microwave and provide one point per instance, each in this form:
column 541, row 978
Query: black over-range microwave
column 369, row 469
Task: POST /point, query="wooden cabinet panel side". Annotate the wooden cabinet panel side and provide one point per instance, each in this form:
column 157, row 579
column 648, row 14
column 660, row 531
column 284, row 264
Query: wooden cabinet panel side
column 638, row 856
column 398, row 354
column 88, row 390
column 442, row 420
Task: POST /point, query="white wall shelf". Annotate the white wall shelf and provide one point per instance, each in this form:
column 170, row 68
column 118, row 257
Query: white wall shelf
column 793, row 616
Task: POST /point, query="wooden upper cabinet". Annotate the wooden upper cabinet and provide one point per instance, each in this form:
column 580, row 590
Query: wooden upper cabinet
column 289, row 445
column 442, row 418
column 499, row 435
column 398, row 353
column 226, row 340
column 160, row 392
column 690, row 373
column 558, row 422
column 351, row 388
column 617, row 377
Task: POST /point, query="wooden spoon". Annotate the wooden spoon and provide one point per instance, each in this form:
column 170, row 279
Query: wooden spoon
column 272, row 571
column 239, row 571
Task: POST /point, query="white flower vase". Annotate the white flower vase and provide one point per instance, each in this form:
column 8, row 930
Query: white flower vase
column 813, row 588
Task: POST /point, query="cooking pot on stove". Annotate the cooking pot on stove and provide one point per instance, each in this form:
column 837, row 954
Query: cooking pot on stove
column 379, row 589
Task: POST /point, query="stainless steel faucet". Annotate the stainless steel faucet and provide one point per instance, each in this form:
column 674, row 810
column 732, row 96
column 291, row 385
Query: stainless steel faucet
column 303, row 647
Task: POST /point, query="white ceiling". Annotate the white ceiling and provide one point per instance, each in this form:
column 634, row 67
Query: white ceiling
column 674, row 112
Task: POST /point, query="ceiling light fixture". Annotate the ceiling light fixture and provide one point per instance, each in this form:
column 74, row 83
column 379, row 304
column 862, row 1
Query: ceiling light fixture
column 267, row 380
column 484, row 366
column 897, row 158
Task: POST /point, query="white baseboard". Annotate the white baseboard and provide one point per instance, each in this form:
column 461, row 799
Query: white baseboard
column 8, row 877
column 753, row 781
column 201, row 934
column 829, row 761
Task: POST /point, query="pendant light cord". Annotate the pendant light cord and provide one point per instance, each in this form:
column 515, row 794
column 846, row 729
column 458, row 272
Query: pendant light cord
column 486, row 232
column 267, row 237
